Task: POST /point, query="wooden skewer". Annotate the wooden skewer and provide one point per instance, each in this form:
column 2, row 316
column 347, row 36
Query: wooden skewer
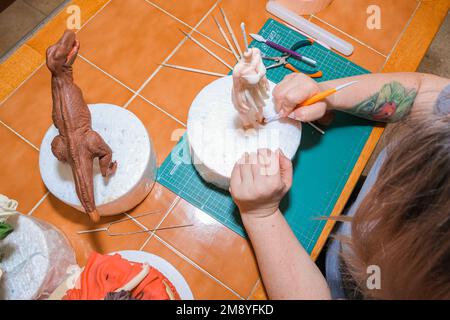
column 187, row 25
column 224, row 35
column 193, row 70
column 230, row 30
column 244, row 34
column 207, row 50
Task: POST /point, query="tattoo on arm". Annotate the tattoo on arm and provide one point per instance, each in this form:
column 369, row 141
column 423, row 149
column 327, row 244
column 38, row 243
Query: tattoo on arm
column 392, row 103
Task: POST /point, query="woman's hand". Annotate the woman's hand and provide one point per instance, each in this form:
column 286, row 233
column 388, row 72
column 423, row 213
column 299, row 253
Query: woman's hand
column 259, row 181
column 293, row 90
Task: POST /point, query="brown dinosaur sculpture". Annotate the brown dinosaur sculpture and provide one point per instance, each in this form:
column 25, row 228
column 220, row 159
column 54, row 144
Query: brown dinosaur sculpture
column 77, row 144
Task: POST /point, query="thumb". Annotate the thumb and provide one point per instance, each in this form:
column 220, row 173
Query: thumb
column 311, row 113
column 286, row 170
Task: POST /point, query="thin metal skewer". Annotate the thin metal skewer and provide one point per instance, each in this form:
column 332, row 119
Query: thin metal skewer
column 207, row 50
column 187, row 25
column 316, row 127
column 224, row 35
column 215, row 74
column 230, row 30
column 244, row 34
column 112, row 234
column 117, row 222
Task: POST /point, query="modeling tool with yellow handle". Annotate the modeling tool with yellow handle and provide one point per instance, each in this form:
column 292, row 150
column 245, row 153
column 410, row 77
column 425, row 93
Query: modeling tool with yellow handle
column 316, row 98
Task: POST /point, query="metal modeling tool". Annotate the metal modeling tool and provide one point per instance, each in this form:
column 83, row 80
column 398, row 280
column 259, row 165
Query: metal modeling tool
column 227, row 40
column 187, row 25
column 207, row 50
column 230, row 30
column 316, row 98
column 209, row 73
column 118, row 234
column 278, row 47
column 244, row 34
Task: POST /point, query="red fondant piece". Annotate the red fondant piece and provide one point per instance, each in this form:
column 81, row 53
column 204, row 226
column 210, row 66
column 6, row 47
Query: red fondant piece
column 105, row 273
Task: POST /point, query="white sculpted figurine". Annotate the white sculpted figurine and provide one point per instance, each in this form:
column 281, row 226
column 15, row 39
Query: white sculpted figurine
column 250, row 88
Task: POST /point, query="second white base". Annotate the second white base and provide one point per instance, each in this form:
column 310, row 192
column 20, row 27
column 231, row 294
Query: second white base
column 216, row 137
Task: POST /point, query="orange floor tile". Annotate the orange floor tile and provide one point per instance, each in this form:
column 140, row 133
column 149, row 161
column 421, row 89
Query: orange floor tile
column 70, row 221
column 122, row 43
column 129, row 38
column 259, row 293
column 19, row 170
column 203, row 286
column 362, row 55
column 394, row 16
column 33, row 101
column 215, row 248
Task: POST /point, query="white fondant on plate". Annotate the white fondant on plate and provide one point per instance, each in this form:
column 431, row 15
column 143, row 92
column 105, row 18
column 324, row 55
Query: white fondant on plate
column 216, row 137
column 162, row 266
column 132, row 149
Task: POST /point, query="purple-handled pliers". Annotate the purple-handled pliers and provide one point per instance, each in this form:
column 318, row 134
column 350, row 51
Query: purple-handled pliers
column 279, row 47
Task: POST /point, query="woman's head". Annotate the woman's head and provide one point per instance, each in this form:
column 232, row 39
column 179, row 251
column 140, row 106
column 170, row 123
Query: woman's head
column 403, row 224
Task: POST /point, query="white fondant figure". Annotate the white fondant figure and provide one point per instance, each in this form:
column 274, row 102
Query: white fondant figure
column 250, row 88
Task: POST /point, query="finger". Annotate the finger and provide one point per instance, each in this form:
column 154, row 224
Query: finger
column 281, row 89
column 246, row 170
column 286, row 170
column 327, row 119
column 311, row 113
column 273, row 166
column 256, row 168
column 236, row 175
column 263, row 161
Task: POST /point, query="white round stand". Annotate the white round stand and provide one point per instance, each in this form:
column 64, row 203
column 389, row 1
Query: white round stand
column 216, row 137
column 36, row 257
column 133, row 151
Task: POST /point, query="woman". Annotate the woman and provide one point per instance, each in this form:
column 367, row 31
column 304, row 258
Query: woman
column 397, row 245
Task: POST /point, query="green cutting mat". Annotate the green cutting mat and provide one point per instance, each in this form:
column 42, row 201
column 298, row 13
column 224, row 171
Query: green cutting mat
column 321, row 167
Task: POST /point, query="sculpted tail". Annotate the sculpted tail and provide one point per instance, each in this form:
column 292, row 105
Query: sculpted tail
column 84, row 186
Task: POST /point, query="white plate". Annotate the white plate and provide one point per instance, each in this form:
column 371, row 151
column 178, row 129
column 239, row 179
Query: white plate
column 164, row 267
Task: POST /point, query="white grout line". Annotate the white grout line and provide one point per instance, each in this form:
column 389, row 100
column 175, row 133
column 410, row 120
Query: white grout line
column 171, row 54
column 27, row 78
column 350, row 36
column 254, row 288
column 144, row 227
column 175, row 202
column 402, row 33
column 38, row 204
column 105, row 72
column 162, row 110
column 93, row 16
column 21, row 84
column 33, row 73
column 19, row 135
column 178, row 253
column 187, row 25
column 135, row 94
column 138, row 91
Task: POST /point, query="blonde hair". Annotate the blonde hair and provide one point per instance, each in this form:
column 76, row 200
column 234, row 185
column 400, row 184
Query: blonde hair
column 403, row 224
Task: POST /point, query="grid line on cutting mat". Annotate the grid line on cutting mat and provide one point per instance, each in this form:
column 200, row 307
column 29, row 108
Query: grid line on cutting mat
column 321, row 170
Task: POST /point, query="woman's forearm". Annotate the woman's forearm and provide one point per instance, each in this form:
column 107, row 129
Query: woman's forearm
column 286, row 268
column 387, row 97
